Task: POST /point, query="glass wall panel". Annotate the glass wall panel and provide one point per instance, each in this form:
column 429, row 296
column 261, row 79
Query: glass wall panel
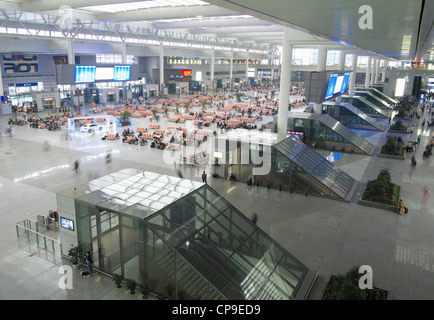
column 131, row 243
column 109, row 250
column 159, row 261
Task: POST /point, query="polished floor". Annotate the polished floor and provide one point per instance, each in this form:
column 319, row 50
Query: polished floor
column 326, row 235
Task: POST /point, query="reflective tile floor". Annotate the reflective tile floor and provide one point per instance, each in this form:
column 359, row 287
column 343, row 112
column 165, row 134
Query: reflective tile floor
column 326, row 235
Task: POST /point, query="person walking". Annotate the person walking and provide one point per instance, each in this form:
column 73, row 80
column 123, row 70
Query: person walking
column 76, row 166
column 204, row 177
column 255, row 218
column 426, row 194
column 89, row 262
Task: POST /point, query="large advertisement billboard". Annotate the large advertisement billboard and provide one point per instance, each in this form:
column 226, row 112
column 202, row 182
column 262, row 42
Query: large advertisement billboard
column 20, row 63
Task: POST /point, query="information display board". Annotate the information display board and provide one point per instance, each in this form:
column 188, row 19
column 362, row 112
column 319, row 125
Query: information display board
column 85, row 74
column 121, row 73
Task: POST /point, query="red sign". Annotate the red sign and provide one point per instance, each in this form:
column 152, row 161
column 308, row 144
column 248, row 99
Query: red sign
column 186, row 73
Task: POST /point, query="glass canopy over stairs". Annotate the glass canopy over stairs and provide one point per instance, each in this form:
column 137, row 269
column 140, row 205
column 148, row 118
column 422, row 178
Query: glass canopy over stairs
column 210, row 239
column 300, row 168
column 182, row 239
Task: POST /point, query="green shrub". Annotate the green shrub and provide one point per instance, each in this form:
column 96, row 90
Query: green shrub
column 391, row 147
column 382, row 190
column 398, row 126
column 346, row 287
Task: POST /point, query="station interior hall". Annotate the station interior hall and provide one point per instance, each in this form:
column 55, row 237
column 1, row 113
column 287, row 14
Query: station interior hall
column 215, row 150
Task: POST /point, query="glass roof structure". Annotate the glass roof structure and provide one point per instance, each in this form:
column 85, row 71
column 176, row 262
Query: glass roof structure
column 119, row 7
column 131, row 191
column 206, row 234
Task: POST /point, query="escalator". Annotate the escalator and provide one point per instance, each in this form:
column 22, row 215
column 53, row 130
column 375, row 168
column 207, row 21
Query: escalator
column 366, row 107
column 374, row 99
column 360, row 120
column 380, row 95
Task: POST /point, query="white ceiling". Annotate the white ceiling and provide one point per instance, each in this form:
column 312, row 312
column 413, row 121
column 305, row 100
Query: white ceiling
column 232, row 21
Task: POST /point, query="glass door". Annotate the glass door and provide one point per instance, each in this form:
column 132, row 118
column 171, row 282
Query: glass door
column 105, row 241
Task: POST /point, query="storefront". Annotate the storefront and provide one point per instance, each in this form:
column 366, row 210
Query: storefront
column 47, row 100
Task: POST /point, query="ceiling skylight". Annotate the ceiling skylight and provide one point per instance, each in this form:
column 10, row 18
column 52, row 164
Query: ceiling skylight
column 128, row 6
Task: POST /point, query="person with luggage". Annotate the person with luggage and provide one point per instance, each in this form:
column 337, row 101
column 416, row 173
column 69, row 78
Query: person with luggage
column 401, row 208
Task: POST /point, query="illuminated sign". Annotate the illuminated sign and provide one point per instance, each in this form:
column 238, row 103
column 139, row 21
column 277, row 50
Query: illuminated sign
column 186, row 73
column 67, row 223
column 104, row 73
column 400, row 86
column 121, row 73
column 85, row 74
column 331, row 86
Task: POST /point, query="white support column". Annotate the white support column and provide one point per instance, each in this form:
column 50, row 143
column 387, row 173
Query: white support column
column 368, row 72
column 341, row 68
column 124, row 52
column 377, row 71
column 124, row 61
column 321, row 66
column 212, row 70
column 71, row 53
column 285, row 86
column 353, row 75
column 247, row 67
column 231, row 70
column 161, row 70
column 383, row 73
column 374, row 63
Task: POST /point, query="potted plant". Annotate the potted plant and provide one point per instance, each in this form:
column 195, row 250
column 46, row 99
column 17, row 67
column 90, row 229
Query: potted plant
column 186, row 105
column 144, row 292
column 203, row 102
column 177, row 108
column 124, row 118
column 75, row 253
column 154, row 114
column 131, row 285
column 118, row 278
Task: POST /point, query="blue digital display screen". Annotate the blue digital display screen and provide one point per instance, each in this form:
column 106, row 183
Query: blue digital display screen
column 345, row 83
column 331, row 86
column 67, row 223
column 122, row 73
column 85, row 74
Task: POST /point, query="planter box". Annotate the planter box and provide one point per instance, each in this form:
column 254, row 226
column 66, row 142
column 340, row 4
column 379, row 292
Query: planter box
column 390, row 156
column 334, row 278
column 373, row 204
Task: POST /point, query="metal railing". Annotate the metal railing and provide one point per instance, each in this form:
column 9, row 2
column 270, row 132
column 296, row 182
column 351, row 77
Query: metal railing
column 31, row 232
